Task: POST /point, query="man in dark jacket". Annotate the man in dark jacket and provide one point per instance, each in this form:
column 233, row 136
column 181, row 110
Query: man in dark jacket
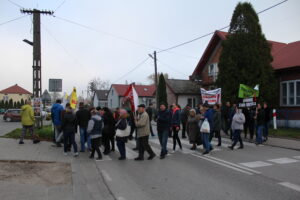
column 163, row 127
column 225, row 113
column 260, row 123
column 184, row 117
column 83, row 116
column 149, row 111
column 267, row 120
column 69, row 127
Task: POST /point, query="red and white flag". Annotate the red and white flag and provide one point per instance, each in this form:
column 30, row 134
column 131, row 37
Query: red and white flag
column 133, row 97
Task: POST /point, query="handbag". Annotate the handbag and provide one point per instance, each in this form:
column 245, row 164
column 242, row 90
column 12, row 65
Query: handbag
column 123, row 133
column 205, row 128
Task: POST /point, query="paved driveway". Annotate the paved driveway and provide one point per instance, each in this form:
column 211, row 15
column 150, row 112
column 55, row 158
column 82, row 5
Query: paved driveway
column 6, row 127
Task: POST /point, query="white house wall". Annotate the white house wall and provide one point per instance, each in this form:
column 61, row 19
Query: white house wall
column 113, row 98
column 183, row 99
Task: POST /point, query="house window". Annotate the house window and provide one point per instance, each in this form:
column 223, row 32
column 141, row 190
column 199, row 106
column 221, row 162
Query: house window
column 191, row 102
column 112, row 92
column 213, row 69
column 290, row 93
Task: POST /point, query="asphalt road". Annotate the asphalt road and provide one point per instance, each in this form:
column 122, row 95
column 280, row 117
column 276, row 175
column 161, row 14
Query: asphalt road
column 6, row 127
column 251, row 173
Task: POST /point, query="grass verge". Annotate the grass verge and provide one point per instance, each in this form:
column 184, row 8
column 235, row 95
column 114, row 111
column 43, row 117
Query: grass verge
column 292, row 133
column 45, row 133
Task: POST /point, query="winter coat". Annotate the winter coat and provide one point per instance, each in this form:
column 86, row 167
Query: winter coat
column 27, row 115
column 56, row 111
column 184, row 115
column 94, row 128
column 142, row 125
column 69, row 123
column 238, row 121
column 175, row 122
column 225, row 111
column 109, row 125
column 121, row 125
column 193, row 129
column 163, row 120
column 149, row 111
column 217, row 121
column 83, row 116
column 267, row 114
column 260, row 117
column 209, row 114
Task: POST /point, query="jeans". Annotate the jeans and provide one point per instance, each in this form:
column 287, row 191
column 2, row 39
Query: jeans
column 144, row 145
column 176, row 138
column 206, row 144
column 266, row 130
column 96, row 142
column 237, row 138
column 69, row 136
column 163, row 136
column 121, row 147
column 84, row 138
column 183, row 129
column 260, row 130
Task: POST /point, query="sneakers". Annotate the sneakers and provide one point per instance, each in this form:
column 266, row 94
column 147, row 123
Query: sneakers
column 230, row 147
column 138, row 159
column 122, row 158
column 76, row 154
column 99, row 158
column 205, row 152
column 65, row 153
column 21, row 142
column 36, row 141
column 151, row 157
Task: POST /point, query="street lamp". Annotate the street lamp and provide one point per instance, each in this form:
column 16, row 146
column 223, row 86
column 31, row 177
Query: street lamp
column 28, row 42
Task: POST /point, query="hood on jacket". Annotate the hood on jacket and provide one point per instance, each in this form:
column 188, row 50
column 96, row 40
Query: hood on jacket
column 97, row 117
column 25, row 107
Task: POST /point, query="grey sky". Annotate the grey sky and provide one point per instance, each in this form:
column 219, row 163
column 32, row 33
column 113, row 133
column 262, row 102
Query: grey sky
column 77, row 54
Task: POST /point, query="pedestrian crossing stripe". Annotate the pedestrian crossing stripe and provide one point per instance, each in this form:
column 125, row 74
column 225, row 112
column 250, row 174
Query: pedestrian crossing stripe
column 256, row 164
column 283, row 160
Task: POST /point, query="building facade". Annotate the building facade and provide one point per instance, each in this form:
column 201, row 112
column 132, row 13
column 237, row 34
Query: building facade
column 16, row 93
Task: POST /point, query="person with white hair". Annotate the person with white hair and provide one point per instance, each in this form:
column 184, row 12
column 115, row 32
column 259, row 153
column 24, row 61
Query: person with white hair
column 122, row 133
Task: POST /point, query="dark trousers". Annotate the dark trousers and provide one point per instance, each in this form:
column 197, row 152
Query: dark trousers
column 112, row 143
column 176, row 138
column 163, row 140
column 151, row 130
column 143, row 145
column 266, row 130
column 69, row 137
column 106, row 143
column 183, row 129
column 211, row 135
column 237, row 138
column 249, row 126
column 217, row 134
column 121, row 147
column 96, row 143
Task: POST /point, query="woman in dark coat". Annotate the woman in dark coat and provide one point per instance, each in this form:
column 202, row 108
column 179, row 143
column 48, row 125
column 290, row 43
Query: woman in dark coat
column 192, row 128
column 121, row 140
column 108, row 131
column 175, row 123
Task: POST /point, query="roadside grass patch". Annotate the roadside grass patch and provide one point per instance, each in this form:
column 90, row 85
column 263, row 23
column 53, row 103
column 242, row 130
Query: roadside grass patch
column 293, row 133
column 45, row 133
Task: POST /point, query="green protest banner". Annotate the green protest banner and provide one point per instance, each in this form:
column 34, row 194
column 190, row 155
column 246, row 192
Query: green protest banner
column 246, row 91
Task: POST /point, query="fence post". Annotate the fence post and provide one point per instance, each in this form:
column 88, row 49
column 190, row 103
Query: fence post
column 274, row 119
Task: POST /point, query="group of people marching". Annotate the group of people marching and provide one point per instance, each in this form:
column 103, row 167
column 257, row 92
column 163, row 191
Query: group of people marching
column 100, row 126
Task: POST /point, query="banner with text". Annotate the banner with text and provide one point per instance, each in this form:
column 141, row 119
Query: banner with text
column 211, row 96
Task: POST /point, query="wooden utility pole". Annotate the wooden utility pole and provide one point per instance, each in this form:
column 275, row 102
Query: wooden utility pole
column 156, row 81
column 37, row 64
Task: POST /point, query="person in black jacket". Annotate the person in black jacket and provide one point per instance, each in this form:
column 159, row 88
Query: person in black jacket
column 175, row 126
column 267, row 111
column 69, row 128
column 108, row 131
column 260, row 123
column 83, row 116
column 163, row 127
column 184, row 118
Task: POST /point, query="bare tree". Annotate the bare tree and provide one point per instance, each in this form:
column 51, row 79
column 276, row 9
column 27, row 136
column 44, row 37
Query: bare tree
column 151, row 77
column 97, row 84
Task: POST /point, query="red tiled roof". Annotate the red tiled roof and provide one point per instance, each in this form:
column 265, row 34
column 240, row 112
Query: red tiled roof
column 15, row 89
column 284, row 55
column 142, row 90
column 288, row 56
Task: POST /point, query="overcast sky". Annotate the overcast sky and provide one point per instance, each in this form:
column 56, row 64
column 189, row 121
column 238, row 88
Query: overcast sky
column 122, row 34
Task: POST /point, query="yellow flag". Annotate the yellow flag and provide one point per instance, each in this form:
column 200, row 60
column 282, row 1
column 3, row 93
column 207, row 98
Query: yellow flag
column 73, row 99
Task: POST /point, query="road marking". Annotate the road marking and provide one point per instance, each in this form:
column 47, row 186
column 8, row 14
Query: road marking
column 106, row 175
column 121, row 198
column 256, row 164
column 283, row 160
column 223, row 164
column 290, row 185
column 233, row 164
column 297, row 157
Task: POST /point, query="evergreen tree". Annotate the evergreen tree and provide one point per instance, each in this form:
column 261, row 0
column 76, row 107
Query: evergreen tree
column 162, row 91
column 15, row 104
column 6, row 105
column 246, row 57
column 18, row 104
column 1, row 104
column 22, row 102
column 10, row 103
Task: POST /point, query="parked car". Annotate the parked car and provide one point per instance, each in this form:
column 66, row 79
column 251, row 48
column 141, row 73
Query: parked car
column 12, row 115
column 2, row 111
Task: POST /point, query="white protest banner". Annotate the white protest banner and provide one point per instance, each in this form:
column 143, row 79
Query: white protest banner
column 211, row 96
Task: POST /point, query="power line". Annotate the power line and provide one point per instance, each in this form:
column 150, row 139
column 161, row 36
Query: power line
column 200, row 37
column 15, row 4
column 135, row 68
column 13, row 20
column 62, row 3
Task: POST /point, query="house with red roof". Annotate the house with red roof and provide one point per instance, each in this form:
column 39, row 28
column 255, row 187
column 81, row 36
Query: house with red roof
column 16, row 93
column 116, row 93
column 286, row 64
